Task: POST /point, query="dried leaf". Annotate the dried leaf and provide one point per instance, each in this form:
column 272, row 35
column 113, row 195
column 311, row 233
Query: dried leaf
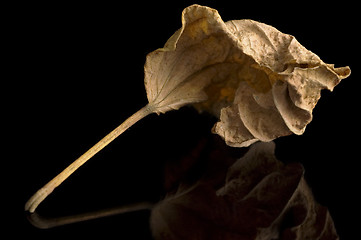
column 261, row 83
column 261, row 199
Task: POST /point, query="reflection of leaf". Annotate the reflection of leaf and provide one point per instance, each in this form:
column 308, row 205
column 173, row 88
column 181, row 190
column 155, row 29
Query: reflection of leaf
column 259, row 82
column 261, row 199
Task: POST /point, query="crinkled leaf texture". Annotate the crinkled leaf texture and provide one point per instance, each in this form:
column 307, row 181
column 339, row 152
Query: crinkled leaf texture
column 260, row 199
column 260, row 83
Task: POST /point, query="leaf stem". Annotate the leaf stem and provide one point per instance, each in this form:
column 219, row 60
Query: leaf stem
column 43, row 192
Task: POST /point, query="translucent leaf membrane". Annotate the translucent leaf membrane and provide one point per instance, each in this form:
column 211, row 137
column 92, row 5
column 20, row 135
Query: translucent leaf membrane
column 259, row 82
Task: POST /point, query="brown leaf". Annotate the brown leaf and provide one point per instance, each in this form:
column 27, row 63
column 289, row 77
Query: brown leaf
column 260, row 83
column 261, row 199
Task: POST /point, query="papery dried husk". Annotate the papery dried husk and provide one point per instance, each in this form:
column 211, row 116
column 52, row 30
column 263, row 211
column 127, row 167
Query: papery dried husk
column 259, row 82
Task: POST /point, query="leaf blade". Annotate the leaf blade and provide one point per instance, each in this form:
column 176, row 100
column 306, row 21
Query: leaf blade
column 242, row 71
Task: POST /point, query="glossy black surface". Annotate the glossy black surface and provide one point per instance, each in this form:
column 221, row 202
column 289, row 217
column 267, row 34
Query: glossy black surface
column 80, row 74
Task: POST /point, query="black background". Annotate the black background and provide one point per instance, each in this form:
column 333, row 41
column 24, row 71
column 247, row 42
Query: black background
column 77, row 72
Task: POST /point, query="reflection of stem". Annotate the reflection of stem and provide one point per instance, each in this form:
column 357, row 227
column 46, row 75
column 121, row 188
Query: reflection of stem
column 43, row 192
column 45, row 223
